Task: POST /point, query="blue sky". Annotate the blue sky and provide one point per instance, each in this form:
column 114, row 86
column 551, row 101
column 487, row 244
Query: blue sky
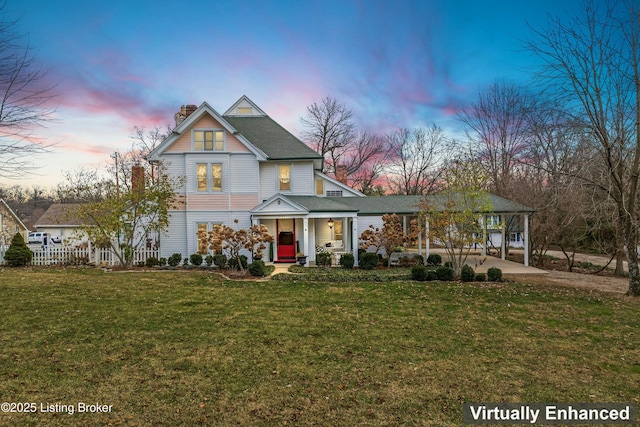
column 396, row 63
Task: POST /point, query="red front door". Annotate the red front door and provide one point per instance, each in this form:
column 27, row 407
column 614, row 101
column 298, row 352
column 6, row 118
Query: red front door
column 286, row 229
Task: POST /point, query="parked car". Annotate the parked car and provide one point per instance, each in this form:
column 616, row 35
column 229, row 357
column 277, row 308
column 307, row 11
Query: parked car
column 57, row 239
column 38, row 237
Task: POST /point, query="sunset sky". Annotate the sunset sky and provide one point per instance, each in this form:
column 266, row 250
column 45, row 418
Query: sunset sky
column 395, row 64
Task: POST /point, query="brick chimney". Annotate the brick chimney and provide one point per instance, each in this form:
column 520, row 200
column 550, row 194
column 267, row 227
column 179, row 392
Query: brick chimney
column 190, row 109
column 341, row 174
column 137, row 180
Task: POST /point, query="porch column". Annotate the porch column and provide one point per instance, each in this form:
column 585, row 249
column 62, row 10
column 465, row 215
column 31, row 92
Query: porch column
column 255, row 221
column 503, row 244
column 427, row 240
column 404, row 224
column 484, row 235
column 355, row 239
column 526, row 240
column 305, row 236
column 420, row 243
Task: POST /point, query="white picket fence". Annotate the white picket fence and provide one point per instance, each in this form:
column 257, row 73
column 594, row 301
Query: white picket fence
column 67, row 255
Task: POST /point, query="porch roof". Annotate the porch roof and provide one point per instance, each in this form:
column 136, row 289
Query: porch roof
column 408, row 205
column 324, row 204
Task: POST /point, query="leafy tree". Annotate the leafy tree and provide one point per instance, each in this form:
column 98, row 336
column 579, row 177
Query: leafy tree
column 234, row 241
column 454, row 213
column 18, row 254
column 390, row 236
column 126, row 215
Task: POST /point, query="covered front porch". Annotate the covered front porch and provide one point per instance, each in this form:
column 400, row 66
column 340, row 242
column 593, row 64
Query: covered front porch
column 307, row 225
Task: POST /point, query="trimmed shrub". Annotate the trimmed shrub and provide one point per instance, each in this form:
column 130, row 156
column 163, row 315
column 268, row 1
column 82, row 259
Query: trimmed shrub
column 347, row 261
column 220, row 260
column 481, row 277
column 258, row 268
column 494, row 274
column 162, row 262
column 151, row 261
column 431, row 275
column 208, row 260
column 18, row 254
column 444, row 273
column 196, row 259
column 419, row 272
column 448, row 264
column 368, row 261
column 419, row 259
column 174, row 260
column 185, row 261
column 434, row 259
column 323, row 259
column 233, row 263
column 467, row 274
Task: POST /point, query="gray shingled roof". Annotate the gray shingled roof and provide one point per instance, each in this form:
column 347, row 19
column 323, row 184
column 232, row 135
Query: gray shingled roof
column 379, row 205
column 61, row 214
column 274, row 140
column 323, row 204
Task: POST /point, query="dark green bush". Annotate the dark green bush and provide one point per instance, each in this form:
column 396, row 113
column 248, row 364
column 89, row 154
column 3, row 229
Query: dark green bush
column 233, row 263
column 494, row 274
column 174, row 260
column 220, row 260
column 18, row 254
column 196, row 259
column 162, row 262
column 208, row 260
column 368, row 261
column 448, row 264
column 257, row 268
column 432, row 275
column 151, row 261
column 434, row 259
column 323, row 259
column 467, row 274
column 444, row 273
column 185, row 261
column 420, row 273
column 419, row 259
column 481, row 277
column 347, row 261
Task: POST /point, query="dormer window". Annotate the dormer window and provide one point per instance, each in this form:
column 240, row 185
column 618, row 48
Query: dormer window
column 208, row 140
column 245, row 110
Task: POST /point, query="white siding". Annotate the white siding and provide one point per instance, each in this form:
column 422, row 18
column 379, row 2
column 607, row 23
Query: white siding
column 365, row 221
column 268, row 180
column 174, row 239
column 243, row 174
column 302, row 179
column 174, row 167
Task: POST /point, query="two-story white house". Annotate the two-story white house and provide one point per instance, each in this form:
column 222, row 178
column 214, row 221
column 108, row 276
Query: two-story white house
column 243, row 165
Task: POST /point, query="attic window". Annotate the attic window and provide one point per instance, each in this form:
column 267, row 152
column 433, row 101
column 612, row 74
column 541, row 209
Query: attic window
column 208, row 140
column 334, row 193
column 245, row 110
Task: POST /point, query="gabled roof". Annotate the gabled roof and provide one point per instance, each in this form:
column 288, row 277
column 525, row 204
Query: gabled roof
column 342, row 185
column 61, row 215
column 187, row 123
column 13, row 214
column 244, row 101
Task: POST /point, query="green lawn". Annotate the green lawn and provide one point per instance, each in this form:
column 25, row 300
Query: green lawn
column 186, row 348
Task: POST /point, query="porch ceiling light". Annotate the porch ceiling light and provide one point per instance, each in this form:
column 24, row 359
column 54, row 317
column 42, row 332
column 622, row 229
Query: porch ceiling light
column 330, row 222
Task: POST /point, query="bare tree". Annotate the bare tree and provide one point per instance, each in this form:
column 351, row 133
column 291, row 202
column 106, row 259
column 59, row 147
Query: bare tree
column 24, row 103
column 592, row 64
column 415, row 157
column 329, row 130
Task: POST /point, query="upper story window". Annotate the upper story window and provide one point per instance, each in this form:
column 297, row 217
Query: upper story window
column 208, row 140
column 209, row 177
column 245, row 110
column 284, row 177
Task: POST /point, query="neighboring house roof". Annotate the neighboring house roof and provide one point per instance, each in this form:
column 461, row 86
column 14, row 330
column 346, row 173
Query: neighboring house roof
column 13, row 214
column 60, row 215
column 274, row 140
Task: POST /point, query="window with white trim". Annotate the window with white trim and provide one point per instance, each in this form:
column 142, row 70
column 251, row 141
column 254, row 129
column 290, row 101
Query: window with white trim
column 208, row 177
column 208, row 140
column 202, row 231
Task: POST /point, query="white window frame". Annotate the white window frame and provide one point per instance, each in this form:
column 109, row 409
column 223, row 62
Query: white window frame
column 209, row 225
column 213, row 147
column 209, row 169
